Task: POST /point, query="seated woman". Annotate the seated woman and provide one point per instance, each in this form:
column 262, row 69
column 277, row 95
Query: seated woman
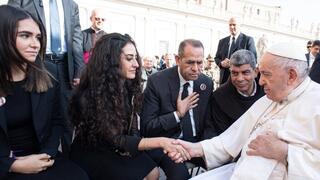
column 104, row 111
column 30, row 121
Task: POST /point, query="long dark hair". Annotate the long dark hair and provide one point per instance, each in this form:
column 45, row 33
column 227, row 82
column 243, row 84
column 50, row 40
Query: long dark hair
column 37, row 77
column 98, row 109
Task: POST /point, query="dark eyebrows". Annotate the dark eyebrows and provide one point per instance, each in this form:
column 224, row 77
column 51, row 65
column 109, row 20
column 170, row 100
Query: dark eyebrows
column 27, row 32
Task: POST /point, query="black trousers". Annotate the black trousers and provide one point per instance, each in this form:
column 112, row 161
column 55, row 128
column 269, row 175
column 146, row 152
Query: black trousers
column 173, row 171
column 65, row 93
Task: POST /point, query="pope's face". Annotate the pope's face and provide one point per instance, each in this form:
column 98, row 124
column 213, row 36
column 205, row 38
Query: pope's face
column 274, row 79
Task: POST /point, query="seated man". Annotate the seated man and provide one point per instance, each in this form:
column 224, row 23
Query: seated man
column 237, row 95
column 278, row 137
column 175, row 104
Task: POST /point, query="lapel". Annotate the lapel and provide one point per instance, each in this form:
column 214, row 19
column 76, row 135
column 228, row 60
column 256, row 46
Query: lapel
column 40, row 11
column 174, row 85
column 37, row 112
column 67, row 21
column 238, row 43
column 3, row 122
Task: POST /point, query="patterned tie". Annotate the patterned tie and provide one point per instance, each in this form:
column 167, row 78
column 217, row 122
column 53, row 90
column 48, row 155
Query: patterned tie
column 232, row 47
column 186, row 121
column 55, row 27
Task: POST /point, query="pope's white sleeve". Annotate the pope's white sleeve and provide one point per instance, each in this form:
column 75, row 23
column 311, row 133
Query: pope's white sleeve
column 303, row 163
column 214, row 153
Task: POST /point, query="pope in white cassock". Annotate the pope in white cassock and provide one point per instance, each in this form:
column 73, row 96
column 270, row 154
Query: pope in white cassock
column 279, row 136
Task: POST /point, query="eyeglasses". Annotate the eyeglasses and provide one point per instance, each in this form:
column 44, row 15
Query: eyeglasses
column 98, row 19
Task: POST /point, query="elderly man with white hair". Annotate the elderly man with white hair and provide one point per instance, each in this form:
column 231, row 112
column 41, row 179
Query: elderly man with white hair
column 279, row 136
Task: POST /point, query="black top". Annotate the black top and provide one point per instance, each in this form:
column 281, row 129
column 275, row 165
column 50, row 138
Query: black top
column 21, row 133
column 227, row 105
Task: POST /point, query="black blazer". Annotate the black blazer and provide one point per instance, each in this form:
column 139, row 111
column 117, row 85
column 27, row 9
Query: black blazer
column 47, row 121
column 72, row 30
column 315, row 70
column 243, row 42
column 160, row 100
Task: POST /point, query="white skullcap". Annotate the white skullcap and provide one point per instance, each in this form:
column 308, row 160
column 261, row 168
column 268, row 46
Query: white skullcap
column 288, row 50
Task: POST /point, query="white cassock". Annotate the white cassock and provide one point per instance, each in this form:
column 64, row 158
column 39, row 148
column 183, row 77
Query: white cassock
column 296, row 121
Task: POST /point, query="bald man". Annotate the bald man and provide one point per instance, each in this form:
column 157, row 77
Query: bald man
column 92, row 34
column 230, row 44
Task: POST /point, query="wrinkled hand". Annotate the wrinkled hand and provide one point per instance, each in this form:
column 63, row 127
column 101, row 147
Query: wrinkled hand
column 193, row 149
column 31, row 164
column 225, row 63
column 187, row 103
column 269, row 146
column 174, row 149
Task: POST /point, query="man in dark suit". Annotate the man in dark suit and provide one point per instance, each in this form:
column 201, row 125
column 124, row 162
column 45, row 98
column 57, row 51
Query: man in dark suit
column 314, row 51
column 64, row 43
column 229, row 45
column 175, row 103
column 315, row 70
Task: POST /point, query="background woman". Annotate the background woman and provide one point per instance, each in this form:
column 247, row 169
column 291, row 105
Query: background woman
column 30, row 121
column 103, row 110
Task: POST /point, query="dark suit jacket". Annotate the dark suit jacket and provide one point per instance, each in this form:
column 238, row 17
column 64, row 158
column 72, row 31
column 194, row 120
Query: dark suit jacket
column 47, row 121
column 315, row 70
column 87, row 38
column 243, row 42
column 72, row 30
column 160, row 99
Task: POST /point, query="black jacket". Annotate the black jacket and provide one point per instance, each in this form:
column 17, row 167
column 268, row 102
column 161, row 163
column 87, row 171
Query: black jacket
column 160, row 99
column 47, row 121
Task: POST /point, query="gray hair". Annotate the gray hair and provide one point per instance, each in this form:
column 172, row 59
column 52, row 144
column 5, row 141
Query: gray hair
column 301, row 67
column 242, row 57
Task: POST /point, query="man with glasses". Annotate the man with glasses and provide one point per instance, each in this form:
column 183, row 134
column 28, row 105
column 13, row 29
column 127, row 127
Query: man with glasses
column 93, row 33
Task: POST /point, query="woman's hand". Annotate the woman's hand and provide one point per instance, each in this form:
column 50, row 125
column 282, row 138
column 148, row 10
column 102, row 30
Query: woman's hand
column 174, row 149
column 31, row 164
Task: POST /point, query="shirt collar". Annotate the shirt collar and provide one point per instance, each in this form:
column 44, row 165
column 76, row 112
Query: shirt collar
column 182, row 80
column 96, row 31
column 235, row 37
column 253, row 92
column 295, row 93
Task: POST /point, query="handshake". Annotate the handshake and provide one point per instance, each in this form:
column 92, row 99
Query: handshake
column 179, row 150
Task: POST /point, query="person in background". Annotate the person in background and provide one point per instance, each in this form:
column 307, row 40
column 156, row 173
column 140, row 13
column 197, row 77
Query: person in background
column 309, row 43
column 212, row 70
column 230, row 44
column 147, row 69
column 104, row 109
column 93, row 33
column 168, row 61
column 31, row 123
column 315, row 70
column 314, row 52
